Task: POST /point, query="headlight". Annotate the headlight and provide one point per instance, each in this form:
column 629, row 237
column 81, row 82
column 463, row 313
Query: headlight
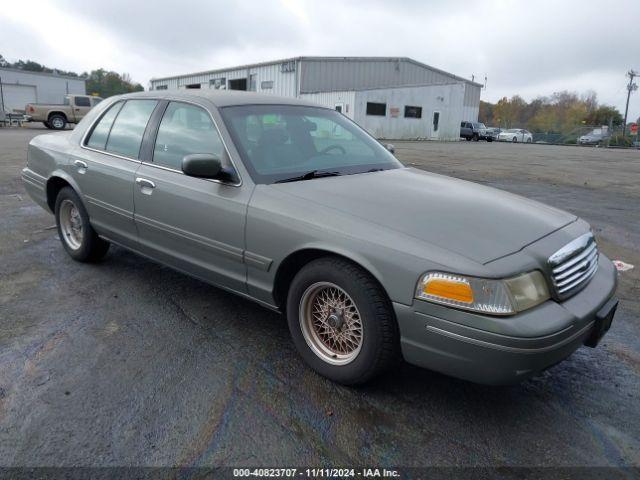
column 494, row 297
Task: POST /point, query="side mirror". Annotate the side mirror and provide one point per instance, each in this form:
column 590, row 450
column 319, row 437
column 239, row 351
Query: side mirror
column 391, row 148
column 202, row 165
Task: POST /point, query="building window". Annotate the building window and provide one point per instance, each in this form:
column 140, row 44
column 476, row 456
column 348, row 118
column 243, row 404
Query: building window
column 266, row 85
column 412, row 112
column 378, row 109
column 192, row 85
column 253, row 81
column 218, row 83
column 288, row 67
column 161, row 87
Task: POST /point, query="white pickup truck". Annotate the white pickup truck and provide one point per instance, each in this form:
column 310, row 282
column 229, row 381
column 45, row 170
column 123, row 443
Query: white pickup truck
column 56, row 117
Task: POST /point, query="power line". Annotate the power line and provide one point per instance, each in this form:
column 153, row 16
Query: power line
column 631, row 87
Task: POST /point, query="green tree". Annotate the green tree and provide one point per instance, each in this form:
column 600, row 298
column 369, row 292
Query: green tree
column 485, row 114
column 106, row 83
column 605, row 114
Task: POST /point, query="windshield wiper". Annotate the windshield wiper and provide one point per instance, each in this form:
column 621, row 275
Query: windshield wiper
column 309, row 176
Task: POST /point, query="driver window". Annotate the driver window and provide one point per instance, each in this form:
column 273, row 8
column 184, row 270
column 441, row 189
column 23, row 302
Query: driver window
column 185, row 129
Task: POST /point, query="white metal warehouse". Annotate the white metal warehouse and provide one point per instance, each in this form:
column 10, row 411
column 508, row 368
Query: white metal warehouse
column 19, row 87
column 391, row 97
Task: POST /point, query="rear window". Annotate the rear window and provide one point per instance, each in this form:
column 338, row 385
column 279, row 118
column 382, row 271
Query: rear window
column 100, row 133
column 127, row 131
column 83, row 102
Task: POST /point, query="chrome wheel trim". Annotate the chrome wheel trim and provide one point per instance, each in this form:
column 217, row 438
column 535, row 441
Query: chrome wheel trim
column 71, row 224
column 57, row 122
column 331, row 323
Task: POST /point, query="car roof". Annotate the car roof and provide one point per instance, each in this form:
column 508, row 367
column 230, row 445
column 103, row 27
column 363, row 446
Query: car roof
column 221, row 98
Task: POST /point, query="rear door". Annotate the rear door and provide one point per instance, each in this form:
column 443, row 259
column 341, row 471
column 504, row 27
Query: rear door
column 193, row 224
column 105, row 167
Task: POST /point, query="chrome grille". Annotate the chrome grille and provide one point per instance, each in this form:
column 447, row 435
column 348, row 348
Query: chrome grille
column 573, row 265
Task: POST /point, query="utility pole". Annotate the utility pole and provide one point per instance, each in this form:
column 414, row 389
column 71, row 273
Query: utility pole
column 631, row 87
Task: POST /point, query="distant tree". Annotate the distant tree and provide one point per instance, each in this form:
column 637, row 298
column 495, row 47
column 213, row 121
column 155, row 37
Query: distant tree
column 31, row 66
column 106, row 83
column 509, row 113
column 605, row 114
column 561, row 112
column 485, row 114
column 101, row 82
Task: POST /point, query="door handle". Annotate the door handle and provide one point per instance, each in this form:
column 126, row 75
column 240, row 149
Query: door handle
column 143, row 182
column 82, row 166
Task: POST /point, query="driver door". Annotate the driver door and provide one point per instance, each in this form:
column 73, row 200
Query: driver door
column 193, row 224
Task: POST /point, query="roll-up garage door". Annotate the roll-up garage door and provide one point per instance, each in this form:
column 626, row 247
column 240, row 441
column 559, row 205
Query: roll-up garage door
column 17, row 96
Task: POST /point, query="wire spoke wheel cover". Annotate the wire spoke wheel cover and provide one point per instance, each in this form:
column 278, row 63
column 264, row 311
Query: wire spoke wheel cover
column 331, row 323
column 71, row 224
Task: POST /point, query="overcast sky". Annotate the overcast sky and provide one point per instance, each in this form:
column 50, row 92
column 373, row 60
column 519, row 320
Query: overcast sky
column 523, row 47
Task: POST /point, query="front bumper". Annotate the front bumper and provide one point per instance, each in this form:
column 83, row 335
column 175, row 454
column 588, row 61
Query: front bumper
column 505, row 350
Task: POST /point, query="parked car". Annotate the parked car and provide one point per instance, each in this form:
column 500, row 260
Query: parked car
column 294, row 206
column 594, row 137
column 492, row 133
column 55, row 116
column 515, row 135
column 474, row 131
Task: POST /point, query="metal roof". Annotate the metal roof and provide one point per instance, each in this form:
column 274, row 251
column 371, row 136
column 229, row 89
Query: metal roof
column 44, row 74
column 321, row 58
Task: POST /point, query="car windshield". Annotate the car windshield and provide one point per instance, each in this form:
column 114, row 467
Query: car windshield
column 279, row 142
column 479, row 125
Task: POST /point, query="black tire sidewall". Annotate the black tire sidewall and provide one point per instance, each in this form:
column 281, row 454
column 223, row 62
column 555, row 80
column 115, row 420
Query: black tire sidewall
column 363, row 366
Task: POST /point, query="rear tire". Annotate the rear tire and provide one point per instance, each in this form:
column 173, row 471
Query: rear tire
column 57, row 121
column 514, row 139
column 342, row 322
column 475, row 137
column 529, row 140
column 468, row 139
column 77, row 235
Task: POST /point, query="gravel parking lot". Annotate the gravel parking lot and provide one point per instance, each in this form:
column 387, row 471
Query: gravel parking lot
column 130, row 363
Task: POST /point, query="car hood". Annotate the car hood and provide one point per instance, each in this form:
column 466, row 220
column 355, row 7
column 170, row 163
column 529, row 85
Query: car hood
column 477, row 222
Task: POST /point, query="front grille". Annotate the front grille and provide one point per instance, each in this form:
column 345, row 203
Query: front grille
column 573, row 266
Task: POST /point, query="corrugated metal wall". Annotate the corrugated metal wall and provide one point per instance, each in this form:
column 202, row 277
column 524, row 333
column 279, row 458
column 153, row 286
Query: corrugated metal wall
column 283, row 83
column 323, row 75
column 471, row 102
column 354, row 81
column 331, row 99
column 445, row 99
column 19, row 85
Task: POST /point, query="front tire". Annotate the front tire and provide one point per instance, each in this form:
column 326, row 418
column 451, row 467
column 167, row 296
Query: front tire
column 77, row 235
column 342, row 322
column 47, row 124
column 514, row 139
column 476, row 137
